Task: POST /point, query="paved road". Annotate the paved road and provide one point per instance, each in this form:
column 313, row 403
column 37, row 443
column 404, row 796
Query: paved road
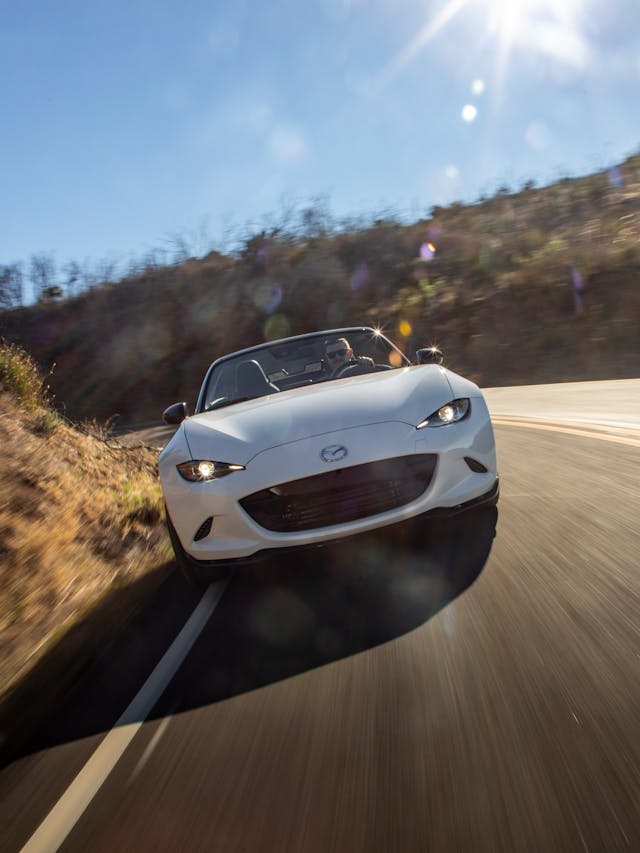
column 615, row 402
column 437, row 689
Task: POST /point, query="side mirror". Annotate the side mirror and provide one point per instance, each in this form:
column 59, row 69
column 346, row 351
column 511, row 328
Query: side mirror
column 429, row 355
column 175, row 414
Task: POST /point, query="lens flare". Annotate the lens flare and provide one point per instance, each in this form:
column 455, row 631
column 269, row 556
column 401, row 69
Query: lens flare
column 427, row 251
column 615, row 176
column 469, row 113
column 268, row 297
column 538, row 136
column 360, row 277
column 395, row 359
column 404, row 327
column 577, row 280
column 577, row 284
column 277, row 326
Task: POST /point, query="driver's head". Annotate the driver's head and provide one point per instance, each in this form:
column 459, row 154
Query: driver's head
column 337, row 353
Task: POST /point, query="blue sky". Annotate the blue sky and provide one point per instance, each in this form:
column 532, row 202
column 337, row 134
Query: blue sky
column 125, row 123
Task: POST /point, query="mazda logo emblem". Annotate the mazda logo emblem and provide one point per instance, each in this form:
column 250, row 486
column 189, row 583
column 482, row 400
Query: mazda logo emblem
column 333, row 453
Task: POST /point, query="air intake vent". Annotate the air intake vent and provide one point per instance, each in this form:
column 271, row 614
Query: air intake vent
column 342, row 495
column 204, row 529
column 475, row 466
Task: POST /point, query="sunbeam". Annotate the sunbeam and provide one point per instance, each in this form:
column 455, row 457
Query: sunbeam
column 542, row 26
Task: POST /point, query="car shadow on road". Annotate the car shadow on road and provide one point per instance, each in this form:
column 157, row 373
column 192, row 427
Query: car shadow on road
column 284, row 618
column 320, row 606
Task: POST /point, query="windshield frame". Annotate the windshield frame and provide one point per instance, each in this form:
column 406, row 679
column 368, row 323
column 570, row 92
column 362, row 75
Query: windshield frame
column 345, row 332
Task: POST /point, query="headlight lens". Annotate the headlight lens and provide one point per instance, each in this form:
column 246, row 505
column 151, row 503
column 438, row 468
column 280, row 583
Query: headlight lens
column 202, row 470
column 450, row 413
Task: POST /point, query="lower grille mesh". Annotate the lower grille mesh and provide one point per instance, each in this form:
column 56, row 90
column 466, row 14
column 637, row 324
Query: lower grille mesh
column 342, row 495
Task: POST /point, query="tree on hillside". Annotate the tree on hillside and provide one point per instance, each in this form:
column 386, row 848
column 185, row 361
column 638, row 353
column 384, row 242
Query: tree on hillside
column 11, row 278
column 106, row 270
column 42, row 270
column 73, row 276
column 54, row 291
column 316, row 220
column 179, row 247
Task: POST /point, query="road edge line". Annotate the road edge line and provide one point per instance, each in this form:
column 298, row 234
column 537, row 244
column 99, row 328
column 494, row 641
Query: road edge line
column 64, row 815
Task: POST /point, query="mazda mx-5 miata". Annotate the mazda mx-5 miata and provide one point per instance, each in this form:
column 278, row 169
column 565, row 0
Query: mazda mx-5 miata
column 288, row 450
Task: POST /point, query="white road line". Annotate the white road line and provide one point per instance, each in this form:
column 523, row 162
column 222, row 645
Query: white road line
column 548, row 427
column 67, row 811
column 595, row 422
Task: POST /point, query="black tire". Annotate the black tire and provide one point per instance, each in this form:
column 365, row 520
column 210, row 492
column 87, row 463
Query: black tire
column 181, row 558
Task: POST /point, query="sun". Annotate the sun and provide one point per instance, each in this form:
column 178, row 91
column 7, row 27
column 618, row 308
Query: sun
column 548, row 27
column 511, row 19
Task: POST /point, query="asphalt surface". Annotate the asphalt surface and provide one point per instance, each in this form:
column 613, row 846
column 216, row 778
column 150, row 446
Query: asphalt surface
column 615, row 402
column 431, row 688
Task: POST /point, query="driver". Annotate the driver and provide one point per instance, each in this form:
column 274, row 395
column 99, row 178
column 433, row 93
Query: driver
column 338, row 354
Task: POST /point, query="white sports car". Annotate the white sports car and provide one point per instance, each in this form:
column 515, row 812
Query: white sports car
column 312, row 438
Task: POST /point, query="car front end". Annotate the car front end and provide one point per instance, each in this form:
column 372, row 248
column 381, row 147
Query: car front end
column 313, row 465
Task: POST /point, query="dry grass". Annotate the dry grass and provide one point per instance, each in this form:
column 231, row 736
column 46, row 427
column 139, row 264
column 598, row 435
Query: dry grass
column 19, row 375
column 76, row 517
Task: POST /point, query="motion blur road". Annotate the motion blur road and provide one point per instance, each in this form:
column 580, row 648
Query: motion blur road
column 430, row 688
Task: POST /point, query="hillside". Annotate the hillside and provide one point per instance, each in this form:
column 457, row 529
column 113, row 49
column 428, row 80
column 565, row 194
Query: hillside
column 535, row 286
column 79, row 517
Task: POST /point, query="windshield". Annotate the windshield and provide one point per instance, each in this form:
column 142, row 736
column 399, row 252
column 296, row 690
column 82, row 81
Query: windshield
column 299, row 362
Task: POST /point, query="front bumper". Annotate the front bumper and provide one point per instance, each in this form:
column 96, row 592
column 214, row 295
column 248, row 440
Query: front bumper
column 202, row 569
column 235, row 535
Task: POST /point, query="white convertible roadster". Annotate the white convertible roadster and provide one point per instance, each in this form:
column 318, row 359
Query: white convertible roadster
column 308, row 439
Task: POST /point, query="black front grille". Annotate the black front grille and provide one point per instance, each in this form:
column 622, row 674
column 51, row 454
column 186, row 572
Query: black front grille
column 342, row 495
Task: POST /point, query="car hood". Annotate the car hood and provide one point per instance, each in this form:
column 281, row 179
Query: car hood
column 238, row 432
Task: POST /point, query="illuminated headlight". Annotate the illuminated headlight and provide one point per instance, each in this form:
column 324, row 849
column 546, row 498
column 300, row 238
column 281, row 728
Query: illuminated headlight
column 201, row 470
column 450, row 413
